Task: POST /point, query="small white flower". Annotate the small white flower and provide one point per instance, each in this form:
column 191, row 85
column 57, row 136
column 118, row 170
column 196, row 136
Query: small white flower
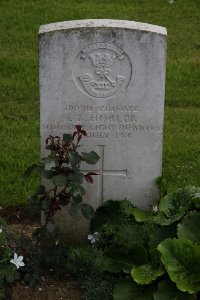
column 1, row 230
column 171, row 1
column 93, row 237
column 155, row 208
column 17, row 261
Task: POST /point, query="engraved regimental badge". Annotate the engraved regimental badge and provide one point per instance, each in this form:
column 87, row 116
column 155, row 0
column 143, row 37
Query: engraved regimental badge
column 101, row 70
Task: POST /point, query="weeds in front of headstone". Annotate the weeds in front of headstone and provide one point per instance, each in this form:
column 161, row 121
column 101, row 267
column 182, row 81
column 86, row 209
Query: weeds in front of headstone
column 130, row 254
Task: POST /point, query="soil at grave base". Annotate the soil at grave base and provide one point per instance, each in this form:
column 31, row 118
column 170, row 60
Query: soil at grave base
column 48, row 288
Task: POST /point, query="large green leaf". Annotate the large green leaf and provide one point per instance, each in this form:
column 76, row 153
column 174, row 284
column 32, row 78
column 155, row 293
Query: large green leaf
column 175, row 205
column 126, row 289
column 60, row 180
column 145, row 274
column 182, row 262
column 91, row 158
column 189, row 228
column 167, row 290
column 179, row 199
column 141, row 215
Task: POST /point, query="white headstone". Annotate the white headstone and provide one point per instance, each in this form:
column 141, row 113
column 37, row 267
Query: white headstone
column 109, row 76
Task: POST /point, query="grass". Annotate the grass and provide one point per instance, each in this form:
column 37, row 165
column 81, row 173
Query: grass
column 181, row 155
column 19, row 91
column 19, row 149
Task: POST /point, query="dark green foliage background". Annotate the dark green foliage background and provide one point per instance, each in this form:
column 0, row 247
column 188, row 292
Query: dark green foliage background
column 155, row 254
column 19, row 90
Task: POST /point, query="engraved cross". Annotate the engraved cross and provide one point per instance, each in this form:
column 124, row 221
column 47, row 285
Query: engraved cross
column 103, row 172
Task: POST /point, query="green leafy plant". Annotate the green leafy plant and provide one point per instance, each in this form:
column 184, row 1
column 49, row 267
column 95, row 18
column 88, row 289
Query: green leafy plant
column 62, row 168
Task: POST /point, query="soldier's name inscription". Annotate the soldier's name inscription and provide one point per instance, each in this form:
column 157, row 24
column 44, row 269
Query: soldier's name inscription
column 104, row 121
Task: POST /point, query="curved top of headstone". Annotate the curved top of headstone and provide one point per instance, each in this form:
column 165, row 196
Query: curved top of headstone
column 102, row 23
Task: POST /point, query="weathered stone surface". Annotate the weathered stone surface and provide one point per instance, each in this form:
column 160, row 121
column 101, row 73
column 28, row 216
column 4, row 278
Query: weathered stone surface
column 108, row 76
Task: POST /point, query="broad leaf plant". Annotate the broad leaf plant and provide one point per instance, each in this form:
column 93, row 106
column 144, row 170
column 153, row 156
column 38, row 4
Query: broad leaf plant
column 156, row 253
